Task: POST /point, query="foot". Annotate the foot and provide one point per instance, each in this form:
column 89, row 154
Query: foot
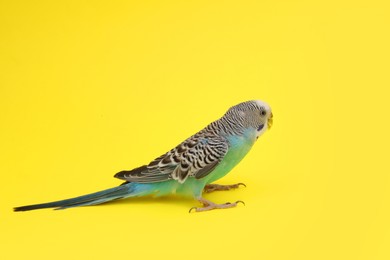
column 216, row 187
column 208, row 205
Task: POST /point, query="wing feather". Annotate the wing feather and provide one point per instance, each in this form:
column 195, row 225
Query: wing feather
column 195, row 157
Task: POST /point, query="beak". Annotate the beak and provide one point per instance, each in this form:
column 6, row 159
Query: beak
column 270, row 121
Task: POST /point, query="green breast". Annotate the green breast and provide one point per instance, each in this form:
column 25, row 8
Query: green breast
column 239, row 147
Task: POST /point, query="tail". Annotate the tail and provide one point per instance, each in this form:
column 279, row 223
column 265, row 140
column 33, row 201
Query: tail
column 123, row 191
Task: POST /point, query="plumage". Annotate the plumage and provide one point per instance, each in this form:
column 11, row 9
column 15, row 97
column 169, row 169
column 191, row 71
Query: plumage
column 195, row 157
column 196, row 162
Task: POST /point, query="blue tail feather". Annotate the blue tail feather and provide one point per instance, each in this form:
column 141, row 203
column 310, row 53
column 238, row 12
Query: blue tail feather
column 122, row 191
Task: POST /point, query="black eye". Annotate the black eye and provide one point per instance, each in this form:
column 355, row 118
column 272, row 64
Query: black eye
column 263, row 113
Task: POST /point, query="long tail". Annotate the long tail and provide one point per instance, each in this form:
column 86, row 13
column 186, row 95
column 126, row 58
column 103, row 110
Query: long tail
column 123, row 191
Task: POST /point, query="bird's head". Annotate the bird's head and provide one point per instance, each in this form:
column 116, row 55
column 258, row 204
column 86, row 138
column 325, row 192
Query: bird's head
column 254, row 114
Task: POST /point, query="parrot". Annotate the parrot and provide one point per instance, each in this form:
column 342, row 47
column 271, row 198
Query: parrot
column 192, row 167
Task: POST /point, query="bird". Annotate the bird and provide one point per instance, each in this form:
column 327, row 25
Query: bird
column 191, row 168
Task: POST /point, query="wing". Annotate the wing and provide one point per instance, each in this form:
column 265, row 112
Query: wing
column 195, row 157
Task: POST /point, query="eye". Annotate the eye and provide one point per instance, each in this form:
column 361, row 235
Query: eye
column 263, row 113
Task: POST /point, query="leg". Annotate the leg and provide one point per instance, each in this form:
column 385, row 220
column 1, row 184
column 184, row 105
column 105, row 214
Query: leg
column 208, row 205
column 216, row 187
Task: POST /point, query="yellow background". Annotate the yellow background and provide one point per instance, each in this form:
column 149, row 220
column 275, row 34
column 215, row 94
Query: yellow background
column 90, row 88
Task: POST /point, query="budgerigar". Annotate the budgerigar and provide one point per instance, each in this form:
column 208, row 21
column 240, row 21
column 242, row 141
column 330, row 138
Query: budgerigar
column 190, row 168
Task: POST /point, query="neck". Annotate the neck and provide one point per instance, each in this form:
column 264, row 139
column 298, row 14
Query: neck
column 226, row 126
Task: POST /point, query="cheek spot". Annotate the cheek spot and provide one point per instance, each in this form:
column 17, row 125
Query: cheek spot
column 260, row 127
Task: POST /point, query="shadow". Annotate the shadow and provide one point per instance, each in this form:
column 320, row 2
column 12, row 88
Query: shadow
column 150, row 200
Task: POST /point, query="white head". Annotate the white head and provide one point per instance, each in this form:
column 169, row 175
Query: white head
column 267, row 116
column 252, row 114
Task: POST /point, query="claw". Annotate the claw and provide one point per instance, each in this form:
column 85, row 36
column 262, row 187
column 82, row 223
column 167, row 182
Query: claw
column 195, row 208
column 240, row 201
column 243, row 184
